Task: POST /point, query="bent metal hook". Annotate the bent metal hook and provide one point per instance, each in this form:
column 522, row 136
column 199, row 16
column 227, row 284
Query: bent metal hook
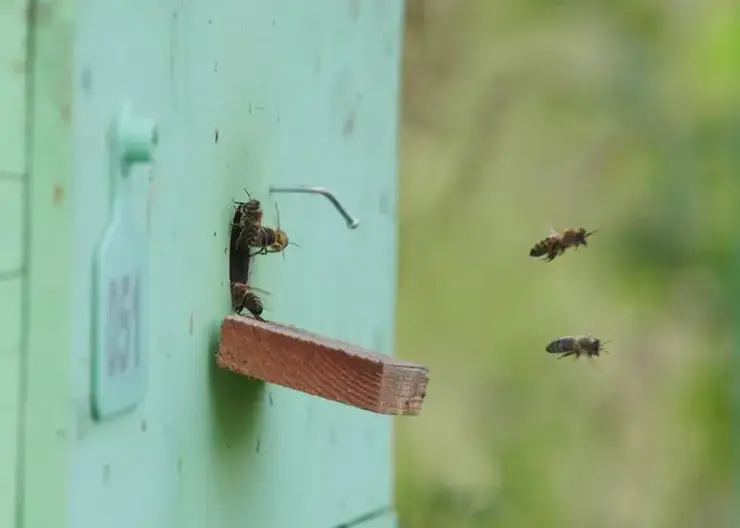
column 352, row 222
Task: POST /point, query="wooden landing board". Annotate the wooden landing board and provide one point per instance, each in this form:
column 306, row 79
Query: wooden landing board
column 322, row 367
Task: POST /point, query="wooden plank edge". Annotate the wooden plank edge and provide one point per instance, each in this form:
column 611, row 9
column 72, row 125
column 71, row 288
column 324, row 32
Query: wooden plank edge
column 327, row 368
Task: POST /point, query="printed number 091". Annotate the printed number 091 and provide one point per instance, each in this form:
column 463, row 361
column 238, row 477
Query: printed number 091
column 123, row 325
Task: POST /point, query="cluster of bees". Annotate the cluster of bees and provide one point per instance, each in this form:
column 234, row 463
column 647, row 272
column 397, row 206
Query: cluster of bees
column 550, row 247
column 249, row 238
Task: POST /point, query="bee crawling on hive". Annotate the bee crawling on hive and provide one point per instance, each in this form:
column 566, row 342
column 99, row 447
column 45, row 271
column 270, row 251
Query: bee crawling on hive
column 557, row 242
column 243, row 296
column 576, row 346
column 248, row 217
column 270, row 240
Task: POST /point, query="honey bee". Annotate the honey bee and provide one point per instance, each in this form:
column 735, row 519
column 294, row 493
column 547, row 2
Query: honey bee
column 243, row 296
column 248, row 216
column 270, row 240
column 557, row 242
column 576, row 346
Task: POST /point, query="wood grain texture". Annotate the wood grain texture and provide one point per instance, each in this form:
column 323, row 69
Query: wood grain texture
column 322, row 367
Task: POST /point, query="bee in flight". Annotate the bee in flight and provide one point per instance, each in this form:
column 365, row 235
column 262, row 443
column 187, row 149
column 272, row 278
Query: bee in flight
column 243, row 296
column 576, row 346
column 248, row 216
column 270, row 240
column 557, row 242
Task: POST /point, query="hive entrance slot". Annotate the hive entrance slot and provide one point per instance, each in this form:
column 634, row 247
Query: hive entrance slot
column 239, row 260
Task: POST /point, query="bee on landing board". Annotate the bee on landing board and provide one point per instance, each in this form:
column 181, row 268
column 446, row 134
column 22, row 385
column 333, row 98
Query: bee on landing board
column 243, row 296
column 249, row 218
column 557, row 242
column 576, row 346
column 270, row 240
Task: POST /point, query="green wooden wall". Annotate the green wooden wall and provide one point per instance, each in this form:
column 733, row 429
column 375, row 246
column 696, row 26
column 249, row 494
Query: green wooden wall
column 13, row 188
column 300, row 93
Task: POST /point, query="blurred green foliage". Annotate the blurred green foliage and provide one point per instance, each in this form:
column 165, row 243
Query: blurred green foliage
column 518, row 116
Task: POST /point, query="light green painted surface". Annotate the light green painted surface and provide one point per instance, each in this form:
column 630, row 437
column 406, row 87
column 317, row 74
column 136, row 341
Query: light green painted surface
column 46, row 425
column 300, row 93
column 12, row 223
column 10, row 346
column 12, row 88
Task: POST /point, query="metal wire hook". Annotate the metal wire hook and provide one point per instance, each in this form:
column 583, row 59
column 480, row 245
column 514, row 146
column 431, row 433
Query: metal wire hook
column 352, row 222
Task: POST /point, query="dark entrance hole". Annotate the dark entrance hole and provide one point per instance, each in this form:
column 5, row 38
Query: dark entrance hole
column 239, row 260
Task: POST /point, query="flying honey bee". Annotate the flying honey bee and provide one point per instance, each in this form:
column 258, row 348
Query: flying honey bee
column 270, row 240
column 243, row 296
column 249, row 219
column 557, row 242
column 576, row 346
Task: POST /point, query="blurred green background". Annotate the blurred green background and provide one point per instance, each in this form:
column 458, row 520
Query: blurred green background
column 518, row 116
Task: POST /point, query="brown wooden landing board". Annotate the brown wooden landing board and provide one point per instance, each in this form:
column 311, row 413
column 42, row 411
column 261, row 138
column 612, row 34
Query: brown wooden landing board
column 323, row 367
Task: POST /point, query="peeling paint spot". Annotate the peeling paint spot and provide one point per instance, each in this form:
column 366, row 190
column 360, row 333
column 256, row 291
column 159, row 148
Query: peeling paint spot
column 190, row 325
column 58, row 194
column 215, row 136
column 39, row 12
column 354, row 9
column 106, row 474
column 143, row 426
column 349, row 124
column 65, row 110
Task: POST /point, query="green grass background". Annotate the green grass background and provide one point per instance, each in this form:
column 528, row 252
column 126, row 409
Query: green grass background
column 518, row 116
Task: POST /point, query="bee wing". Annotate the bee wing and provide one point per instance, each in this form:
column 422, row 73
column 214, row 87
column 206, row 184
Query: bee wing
column 550, row 229
column 259, row 290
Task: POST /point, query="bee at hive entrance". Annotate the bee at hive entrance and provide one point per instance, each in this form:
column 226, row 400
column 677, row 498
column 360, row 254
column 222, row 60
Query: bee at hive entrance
column 245, row 222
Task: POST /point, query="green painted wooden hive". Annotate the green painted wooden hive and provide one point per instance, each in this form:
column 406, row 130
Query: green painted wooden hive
column 128, row 130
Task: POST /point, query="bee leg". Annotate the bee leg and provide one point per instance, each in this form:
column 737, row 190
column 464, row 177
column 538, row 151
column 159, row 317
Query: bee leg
column 566, row 354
